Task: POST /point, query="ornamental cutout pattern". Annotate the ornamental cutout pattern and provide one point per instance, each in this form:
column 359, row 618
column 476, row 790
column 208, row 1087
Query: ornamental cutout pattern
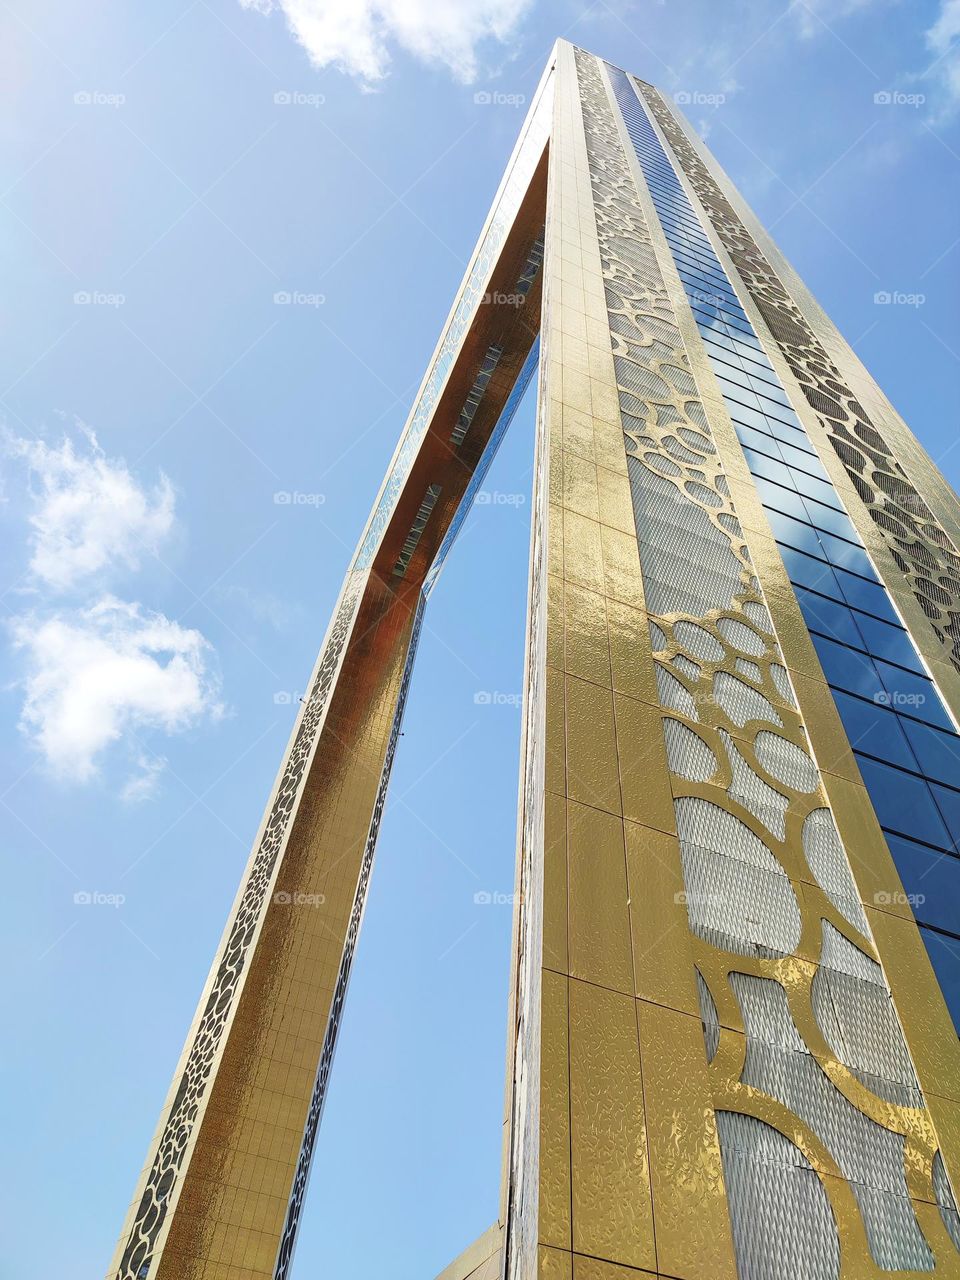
column 828, row 1150
column 919, row 544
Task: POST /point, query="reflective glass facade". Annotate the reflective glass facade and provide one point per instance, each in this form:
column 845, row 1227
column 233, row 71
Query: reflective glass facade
column 905, row 742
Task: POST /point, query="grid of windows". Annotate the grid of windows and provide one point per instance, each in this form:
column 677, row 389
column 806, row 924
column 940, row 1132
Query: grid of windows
column 906, row 746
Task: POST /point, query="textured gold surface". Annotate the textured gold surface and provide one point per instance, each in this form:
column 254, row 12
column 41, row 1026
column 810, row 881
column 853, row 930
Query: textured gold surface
column 552, row 1264
column 597, row 1269
column 233, row 1200
column 554, row 1113
column 482, row 1260
column 662, row 955
column 642, row 759
column 604, row 754
column 592, row 772
column 599, row 920
column 796, row 972
column 612, row 1215
column 693, row 1230
column 630, row 663
column 555, row 950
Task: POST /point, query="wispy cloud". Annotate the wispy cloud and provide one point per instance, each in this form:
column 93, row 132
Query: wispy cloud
column 144, row 784
column 356, row 36
column 943, row 41
column 89, row 513
column 814, row 16
column 260, row 605
column 97, row 673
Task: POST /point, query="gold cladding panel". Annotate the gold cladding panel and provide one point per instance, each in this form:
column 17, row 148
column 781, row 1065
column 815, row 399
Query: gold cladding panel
column 612, row 1215
column 662, row 955
column 598, row 908
column 554, row 1113
column 613, row 759
column 689, row 1199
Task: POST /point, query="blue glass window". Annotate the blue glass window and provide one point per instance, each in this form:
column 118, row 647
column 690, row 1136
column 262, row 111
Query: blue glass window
column 765, row 463
column 794, row 532
column 850, row 669
column 944, row 955
column 903, row 803
column 866, row 594
column 912, row 694
column 887, row 705
column 874, row 730
column 937, row 752
column 805, row 570
column 948, row 802
column 829, row 519
column 829, row 617
column 931, row 878
column 847, row 556
column 819, row 490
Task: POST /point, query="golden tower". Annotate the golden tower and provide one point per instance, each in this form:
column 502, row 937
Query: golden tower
column 730, row 1050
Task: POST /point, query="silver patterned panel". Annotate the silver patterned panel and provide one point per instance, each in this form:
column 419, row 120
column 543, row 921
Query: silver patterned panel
column 740, row 898
column 869, row 1156
column 948, row 1205
column 783, row 1226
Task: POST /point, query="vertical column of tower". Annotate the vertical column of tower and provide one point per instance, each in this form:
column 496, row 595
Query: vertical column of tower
column 912, row 523
column 901, row 510
column 615, row 1164
column 833, row 1100
column 221, row 1192
column 751, row 259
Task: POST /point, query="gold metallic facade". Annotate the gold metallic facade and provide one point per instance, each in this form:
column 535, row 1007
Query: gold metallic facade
column 671, row 691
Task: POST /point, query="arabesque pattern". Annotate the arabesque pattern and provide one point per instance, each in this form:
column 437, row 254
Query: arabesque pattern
column 919, row 544
column 810, row 1070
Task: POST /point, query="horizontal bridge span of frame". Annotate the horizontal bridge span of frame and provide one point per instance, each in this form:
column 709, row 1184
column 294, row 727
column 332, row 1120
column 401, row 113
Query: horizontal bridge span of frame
column 226, row 1172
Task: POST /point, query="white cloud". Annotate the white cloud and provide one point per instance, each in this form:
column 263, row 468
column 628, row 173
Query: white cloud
column 97, row 673
column 943, row 40
column 815, row 16
column 143, row 785
column 260, row 605
column 89, row 511
column 355, row 35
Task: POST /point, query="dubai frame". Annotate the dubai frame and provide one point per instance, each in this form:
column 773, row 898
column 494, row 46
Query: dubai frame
column 736, row 948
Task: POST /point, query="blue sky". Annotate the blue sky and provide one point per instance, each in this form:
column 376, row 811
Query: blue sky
column 166, row 170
